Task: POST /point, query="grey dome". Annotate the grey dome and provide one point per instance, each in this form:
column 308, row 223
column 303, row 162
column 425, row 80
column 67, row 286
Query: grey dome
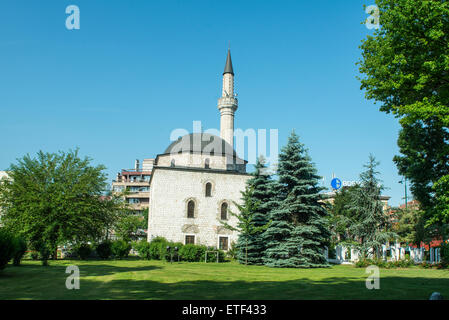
column 203, row 143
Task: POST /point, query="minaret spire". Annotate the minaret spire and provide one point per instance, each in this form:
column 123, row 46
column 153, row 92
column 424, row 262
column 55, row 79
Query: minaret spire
column 227, row 104
column 228, row 66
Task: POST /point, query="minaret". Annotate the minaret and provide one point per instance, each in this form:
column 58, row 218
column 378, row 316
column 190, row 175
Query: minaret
column 227, row 104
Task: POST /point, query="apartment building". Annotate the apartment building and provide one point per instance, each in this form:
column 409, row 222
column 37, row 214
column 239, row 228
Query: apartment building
column 135, row 184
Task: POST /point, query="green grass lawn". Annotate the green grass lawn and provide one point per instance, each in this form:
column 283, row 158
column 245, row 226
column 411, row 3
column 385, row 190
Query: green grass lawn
column 139, row 279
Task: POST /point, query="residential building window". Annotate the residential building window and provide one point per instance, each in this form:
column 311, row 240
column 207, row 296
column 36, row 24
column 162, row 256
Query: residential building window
column 208, row 189
column 223, row 243
column 190, row 240
column 224, row 211
column 191, row 209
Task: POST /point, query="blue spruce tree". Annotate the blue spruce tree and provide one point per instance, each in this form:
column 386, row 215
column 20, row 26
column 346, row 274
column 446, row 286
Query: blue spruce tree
column 250, row 248
column 299, row 230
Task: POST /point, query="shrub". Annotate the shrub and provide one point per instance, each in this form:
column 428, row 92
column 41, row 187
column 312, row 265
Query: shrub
column 363, row 263
column 212, row 256
column 104, row 249
column 158, row 248
column 19, row 250
column 143, row 249
column 44, row 252
column 7, row 248
column 332, row 253
column 406, row 263
column 120, row 249
column 192, row 252
column 426, row 265
column 197, row 253
column 232, row 252
column 34, row 255
column 84, row 250
column 444, row 253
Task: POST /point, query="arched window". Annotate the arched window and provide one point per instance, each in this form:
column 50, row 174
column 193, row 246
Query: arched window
column 172, row 163
column 207, row 163
column 224, row 211
column 208, row 189
column 191, row 209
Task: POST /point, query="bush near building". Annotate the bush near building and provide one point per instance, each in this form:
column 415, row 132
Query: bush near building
column 20, row 247
column 104, row 250
column 120, row 249
column 11, row 247
column 405, row 263
column 84, row 250
column 157, row 250
column 7, row 248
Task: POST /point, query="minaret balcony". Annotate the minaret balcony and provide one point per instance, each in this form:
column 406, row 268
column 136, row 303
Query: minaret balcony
column 227, row 102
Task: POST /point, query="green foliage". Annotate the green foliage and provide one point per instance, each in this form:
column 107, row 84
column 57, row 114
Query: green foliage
column 426, row 265
column 127, row 226
column 247, row 227
column 158, row 248
column 143, row 249
column 371, row 225
column 20, row 247
column 7, row 247
column 197, row 253
column 341, row 217
column 192, row 252
column 441, row 210
column 57, row 198
column 251, row 245
column 410, row 225
column 332, row 252
column 444, row 252
column 83, row 251
column 232, row 252
column 299, row 229
column 212, row 255
column 44, row 251
column 404, row 263
column 104, row 249
column 120, row 249
column 405, row 65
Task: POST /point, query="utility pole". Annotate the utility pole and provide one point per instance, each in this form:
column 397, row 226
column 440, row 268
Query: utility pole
column 404, row 181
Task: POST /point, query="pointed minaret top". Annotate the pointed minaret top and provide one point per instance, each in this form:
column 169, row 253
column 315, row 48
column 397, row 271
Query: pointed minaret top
column 228, row 67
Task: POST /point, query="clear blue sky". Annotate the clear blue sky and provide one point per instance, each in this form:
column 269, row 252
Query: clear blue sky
column 136, row 70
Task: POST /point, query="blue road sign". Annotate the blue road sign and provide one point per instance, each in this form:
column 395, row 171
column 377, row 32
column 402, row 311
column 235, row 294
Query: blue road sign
column 336, row 183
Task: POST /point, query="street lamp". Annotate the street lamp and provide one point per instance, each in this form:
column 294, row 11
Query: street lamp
column 171, row 253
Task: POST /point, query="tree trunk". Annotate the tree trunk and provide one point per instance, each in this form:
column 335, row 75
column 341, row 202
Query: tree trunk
column 246, row 252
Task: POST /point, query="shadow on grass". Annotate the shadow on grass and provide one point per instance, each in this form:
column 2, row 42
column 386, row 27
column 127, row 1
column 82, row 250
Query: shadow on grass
column 38, row 282
column 91, row 269
column 393, row 288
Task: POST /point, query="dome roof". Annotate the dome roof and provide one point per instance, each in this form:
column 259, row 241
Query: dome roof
column 203, row 143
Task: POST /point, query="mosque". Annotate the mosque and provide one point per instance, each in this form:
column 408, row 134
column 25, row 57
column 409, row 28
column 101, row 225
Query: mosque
column 196, row 181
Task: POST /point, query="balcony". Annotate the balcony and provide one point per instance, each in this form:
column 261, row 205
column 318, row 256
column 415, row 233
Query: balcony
column 130, row 181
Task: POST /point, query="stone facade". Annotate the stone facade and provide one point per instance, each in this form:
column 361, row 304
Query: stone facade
column 171, row 190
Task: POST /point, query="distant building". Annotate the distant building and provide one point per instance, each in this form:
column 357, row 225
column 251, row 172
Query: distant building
column 330, row 198
column 412, row 205
column 3, row 174
column 136, row 185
